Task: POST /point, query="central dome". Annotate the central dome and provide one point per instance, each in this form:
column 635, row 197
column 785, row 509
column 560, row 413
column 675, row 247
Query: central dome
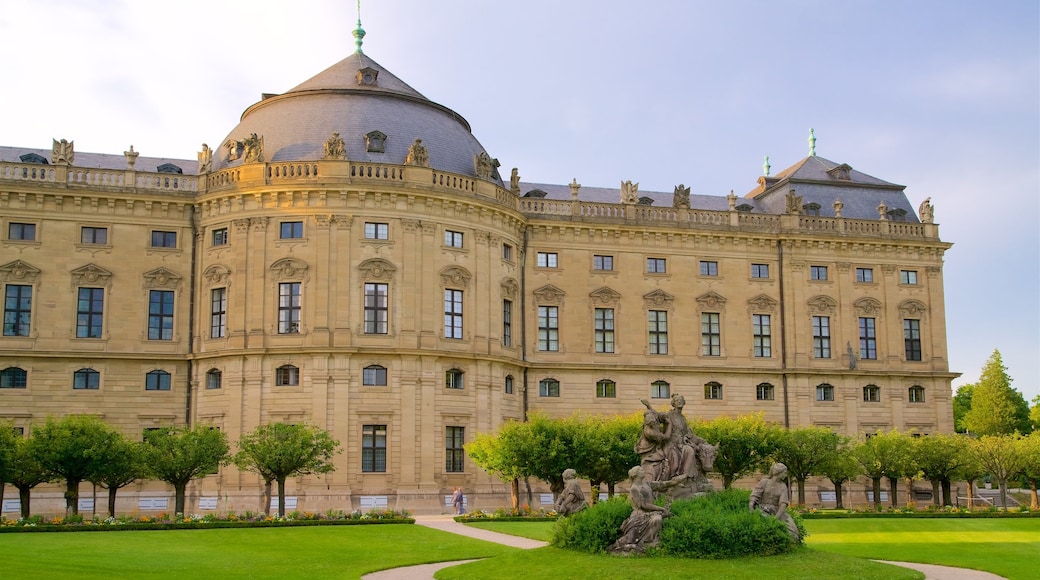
column 362, row 101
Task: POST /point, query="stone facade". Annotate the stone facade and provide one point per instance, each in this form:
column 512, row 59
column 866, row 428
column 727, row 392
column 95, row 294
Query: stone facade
column 405, row 307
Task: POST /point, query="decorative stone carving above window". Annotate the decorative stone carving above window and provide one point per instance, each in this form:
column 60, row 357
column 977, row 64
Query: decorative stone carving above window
column 868, row 306
column 91, row 274
column 711, row 300
column 822, row 305
column 797, row 264
column 842, row 172
column 843, row 267
column 913, row 308
column 217, row 275
column 289, row 269
column 762, row 303
column 455, row 276
column 19, row 272
column 161, row 277
column 375, row 142
column 549, row 294
column 510, row 289
column 604, row 297
column 377, row 269
column 658, row 299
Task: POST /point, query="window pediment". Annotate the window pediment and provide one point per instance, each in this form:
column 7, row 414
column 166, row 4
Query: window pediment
column 455, row 276
column 868, row 306
column 217, row 275
column 658, row 299
column 18, row 271
column 913, row 308
column 377, row 269
column 762, row 303
column 605, row 296
column 549, row 294
column 91, row 274
column 711, row 300
column 289, row 269
column 822, row 305
column 161, row 277
column 842, row 172
column 510, row 288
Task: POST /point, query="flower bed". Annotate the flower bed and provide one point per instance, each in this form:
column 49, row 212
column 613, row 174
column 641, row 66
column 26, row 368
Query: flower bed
column 524, row 514
column 163, row 521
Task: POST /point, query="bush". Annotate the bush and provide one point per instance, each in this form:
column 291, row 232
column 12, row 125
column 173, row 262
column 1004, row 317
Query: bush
column 718, row 525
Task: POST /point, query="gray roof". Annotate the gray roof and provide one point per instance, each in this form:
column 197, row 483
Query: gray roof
column 613, row 195
column 102, row 160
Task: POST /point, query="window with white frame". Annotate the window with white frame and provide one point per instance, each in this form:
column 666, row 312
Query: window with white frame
column 453, row 379
column 547, row 260
column 656, row 266
column 373, row 376
column 762, row 335
column 765, row 392
column 453, row 313
column 287, row 376
column 818, row 273
column 606, row 389
column 452, row 239
column 602, row 262
column 657, row 326
column 871, row 394
column 709, row 268
column 711, row 334
column 548, row 388
column 821, row 326
column 548, row 328
column 603, row 330
column 377, row 231
column 824, row 392
column 713, row 390
column 660, row 390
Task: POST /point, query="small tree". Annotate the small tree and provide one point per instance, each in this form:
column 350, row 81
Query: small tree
column 1000, row 456
column 25, row 473
column 280, row 450
column 71, row 449
column 1029, row 449
column 8, row 442
column 554, row 449
column 121, row 463
column 940, row 458
column 178, row 455
column 504, row 454
column 996, row 407
column 840, row 467
column 744, row 443
column 884, row 455
column 804, row 451
column 606, row 450
column 970, row 471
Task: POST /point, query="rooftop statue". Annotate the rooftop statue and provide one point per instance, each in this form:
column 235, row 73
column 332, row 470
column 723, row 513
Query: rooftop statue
column 335, row 148
column 417, row 154
column 629, row 192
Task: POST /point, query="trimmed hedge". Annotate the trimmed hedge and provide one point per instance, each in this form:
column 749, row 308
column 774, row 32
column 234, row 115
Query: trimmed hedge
column 915, row 515
column 715, row 526
column 142, row 526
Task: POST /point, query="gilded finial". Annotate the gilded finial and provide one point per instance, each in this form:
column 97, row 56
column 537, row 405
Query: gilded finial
column 766, row 167
column 359, row 33
column 812, row 143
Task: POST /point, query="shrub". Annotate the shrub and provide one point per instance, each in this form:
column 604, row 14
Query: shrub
column 720, row 525
column 593, row 529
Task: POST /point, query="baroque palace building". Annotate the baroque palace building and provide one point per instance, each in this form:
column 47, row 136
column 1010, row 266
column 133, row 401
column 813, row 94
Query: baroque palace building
column 349, row 256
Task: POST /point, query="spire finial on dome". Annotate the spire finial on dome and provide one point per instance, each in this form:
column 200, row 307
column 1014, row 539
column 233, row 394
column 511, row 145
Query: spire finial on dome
column 812, row 142
column 766, row 167
column 359, row 33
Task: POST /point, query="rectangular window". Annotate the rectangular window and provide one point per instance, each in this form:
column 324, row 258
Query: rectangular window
column 157, row 381
column 871, row 394
column 764, row 392
column 713, row 390
column 817, row 272
column 86, row 379
column 660, row 390
column 90, row 309
column 286, row 376
column 220, row 237
column 289, row 308
column 509, row 384
column 217, row 312
column 658, row 331
column 291, row 230
column 821, row 326
column 709, row 268
column 17, row 310
column 164, row 239
column 549, row 388
column 373, row 376
column 606, row 389
column 655, row 266
column 711, row 334
column 453, row 314
column 373, row 448
column 454, row 439
column 91, row 235
column 867, row 339
column 824, row 393
column 377, row 231
column 603, row 330
column 377, row 303
column 452, row 239
column 160, row 315
column 762, row 335
column 908, row 276
column 759, row 270
column 454, row 379
column 547, row 260
column 912, row 338
column 23, row 232
column 507, row 252
column 864, row 274
column 548, row 328
column 602, row 262
column 507, row 323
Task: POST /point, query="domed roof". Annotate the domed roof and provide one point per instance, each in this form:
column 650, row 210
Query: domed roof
column 355, row 97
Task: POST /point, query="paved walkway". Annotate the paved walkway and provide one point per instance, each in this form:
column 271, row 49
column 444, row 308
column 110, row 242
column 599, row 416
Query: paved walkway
column 447, row 523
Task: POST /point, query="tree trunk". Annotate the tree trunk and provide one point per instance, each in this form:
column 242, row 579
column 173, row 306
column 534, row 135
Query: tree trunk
column 610, row 489
column 281, row 497
column 876, row 481
column 971, row 493
column 727, row 481
column 893, row 490
column 112, row 501
column 514, row 493
column 1033, row 503
column 265, row 499
column 801, row 491
column 530, row 494
column 946, row 491
column 23, row 499
column 1002, row 483
column 594, row 491
column 838, row 503
column 71, row 496
column 936, row 500
column 178, row 495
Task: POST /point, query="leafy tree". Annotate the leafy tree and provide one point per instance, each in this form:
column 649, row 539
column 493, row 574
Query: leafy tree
column 961, row 406
column 8, row 441
column 940, row 458
column 280, row 450
column 120, row 464
column 554, row 441
column 178, row 455
column 72, row 449
column 605, row 449
column 1000, row 456
column 885, row 455
column 804, row 450
column 840, row 467
column 744, row 443
column 1029, row 449
column 970, row 472
column 1034, row 413
column 505, row 454
column 25, row 472
column 996, row 408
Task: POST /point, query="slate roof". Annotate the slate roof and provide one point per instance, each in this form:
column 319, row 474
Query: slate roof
column 102, row 160
column 613, row 195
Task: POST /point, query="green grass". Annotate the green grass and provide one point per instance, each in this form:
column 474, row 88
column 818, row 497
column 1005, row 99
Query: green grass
column 305, row 552
column 1009, row 548
column 533, row 530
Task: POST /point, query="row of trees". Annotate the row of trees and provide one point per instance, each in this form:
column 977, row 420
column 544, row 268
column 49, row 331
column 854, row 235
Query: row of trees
column 78, row 448
column 601, row 449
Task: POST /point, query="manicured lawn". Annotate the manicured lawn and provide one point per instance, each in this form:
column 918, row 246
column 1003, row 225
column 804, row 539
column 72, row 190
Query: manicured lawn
column 533, row 530
column 305, row 552
column 1010, row 548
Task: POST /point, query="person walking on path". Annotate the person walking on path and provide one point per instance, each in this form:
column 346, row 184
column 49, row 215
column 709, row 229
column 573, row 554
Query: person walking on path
column 457, row 500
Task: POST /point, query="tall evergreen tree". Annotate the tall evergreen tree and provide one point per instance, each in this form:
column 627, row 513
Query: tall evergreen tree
column 996, row 407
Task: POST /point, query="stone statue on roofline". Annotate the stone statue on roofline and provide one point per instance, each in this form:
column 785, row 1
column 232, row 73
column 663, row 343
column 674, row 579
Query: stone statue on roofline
column 484, row 165
column 794, row 203
column 205, row 159
column 253, row 149
column 882, row 211
column 926, row 211
column 335, row 148
column 629, row 192
column 514, row 181
column 62, row 152
column 418, row 155
column 681, row 197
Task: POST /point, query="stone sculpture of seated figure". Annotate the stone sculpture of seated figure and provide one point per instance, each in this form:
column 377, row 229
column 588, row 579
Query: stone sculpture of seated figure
column 572, row 498
column 771, row 498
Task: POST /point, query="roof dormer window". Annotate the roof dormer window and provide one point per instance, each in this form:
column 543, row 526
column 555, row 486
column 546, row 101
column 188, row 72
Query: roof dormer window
column 842, row 172
column 744, row 208
column 536, row 193
column 367, row 76
column 897, row 215
column 169, row 168
column 34, row 159
column 375, row 142
column 811, row 209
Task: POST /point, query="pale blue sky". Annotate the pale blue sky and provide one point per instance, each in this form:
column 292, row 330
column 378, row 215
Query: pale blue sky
column 940, row 96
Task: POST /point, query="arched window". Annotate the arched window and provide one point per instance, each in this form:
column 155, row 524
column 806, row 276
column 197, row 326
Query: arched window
column 765, row 392
column 287, row 376
column 713, row 390
column 13, row 378
column 509, row 384
column 824, row 392
column 374, row 376
column 549, row 388
column 811, row 209
column 660, row 390
column 157, row 381
column 916, row 394
column 606, row 389
column 213, row 379
column 871, row 394
column 86, row 379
